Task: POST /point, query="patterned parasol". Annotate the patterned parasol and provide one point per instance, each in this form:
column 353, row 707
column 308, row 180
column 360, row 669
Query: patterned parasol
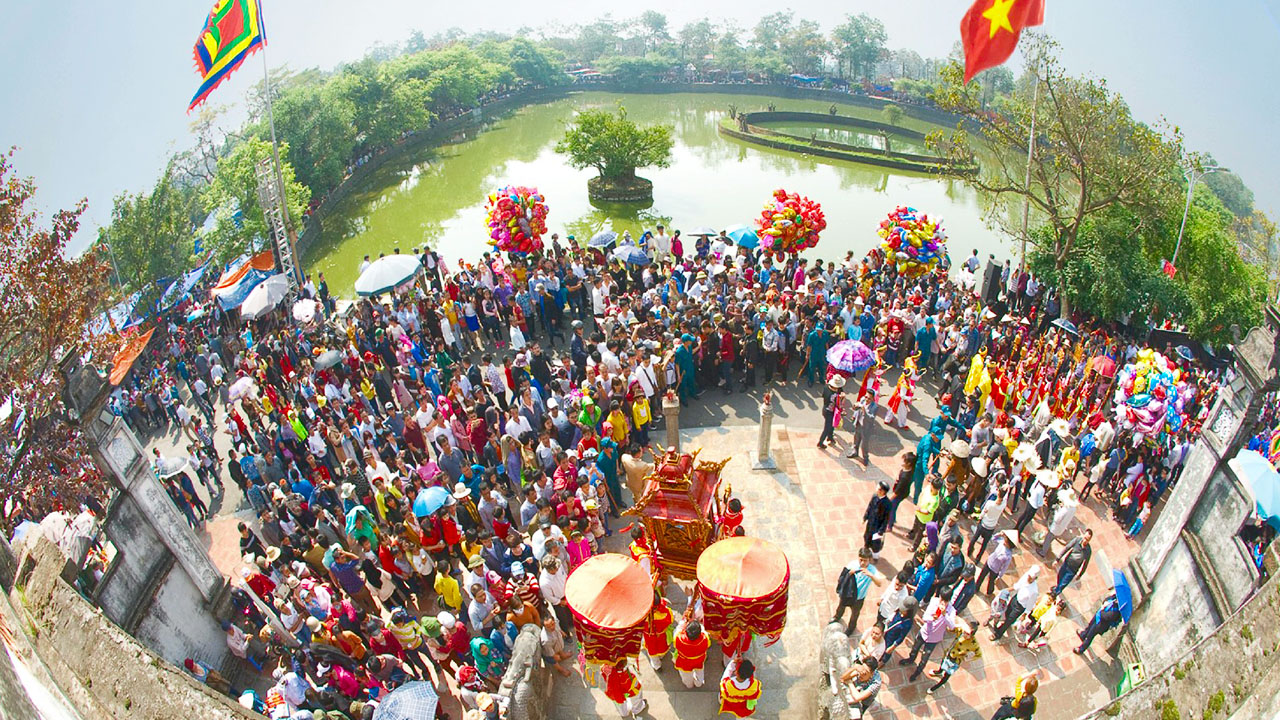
column 743, row 582
column 610, row 596
column 850, row 356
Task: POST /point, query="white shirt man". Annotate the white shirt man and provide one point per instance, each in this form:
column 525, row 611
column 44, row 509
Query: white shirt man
column 645, row 376
column 661, row 244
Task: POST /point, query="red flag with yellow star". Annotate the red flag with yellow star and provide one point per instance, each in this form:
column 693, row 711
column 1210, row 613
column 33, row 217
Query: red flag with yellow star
column 990, row 31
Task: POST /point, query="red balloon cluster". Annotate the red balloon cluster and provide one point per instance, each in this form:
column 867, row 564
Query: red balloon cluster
column 790, row 223
column 517, row 219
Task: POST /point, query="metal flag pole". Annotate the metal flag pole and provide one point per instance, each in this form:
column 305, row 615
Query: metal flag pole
column 1031, row 151
column 287, row 264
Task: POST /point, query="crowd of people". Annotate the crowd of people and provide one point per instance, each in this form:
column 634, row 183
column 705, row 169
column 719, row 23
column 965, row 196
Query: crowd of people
column 425, row 469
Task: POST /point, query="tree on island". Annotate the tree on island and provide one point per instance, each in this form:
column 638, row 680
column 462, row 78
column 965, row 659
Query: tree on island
column 615, row 146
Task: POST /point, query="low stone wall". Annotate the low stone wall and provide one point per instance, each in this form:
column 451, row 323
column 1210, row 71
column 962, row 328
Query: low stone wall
column 791, row 146
column 754, row 118
column 526, row 684
column 103, row 670
column 1232, row 669
column 640, row 192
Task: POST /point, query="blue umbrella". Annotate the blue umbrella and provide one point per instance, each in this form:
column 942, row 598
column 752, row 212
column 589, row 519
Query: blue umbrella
column 1124, row 594
column 742, row 235
column 411, row 701
column 1262, row 481
column 632, row 255
column 603, row 239
column 430, row 500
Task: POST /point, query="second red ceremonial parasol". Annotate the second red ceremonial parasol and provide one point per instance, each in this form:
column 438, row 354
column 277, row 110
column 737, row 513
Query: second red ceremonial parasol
column 743, row 582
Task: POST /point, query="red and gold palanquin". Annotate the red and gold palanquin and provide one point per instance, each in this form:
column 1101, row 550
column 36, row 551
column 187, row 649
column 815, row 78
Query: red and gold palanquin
column 610, row 596
column 679, row 508
column 743, row 582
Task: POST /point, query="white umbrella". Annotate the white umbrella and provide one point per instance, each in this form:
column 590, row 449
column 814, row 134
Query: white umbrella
column 387, row 273
column 168, row 467
column 265, row 297
column 240, row 388
column 304, row 311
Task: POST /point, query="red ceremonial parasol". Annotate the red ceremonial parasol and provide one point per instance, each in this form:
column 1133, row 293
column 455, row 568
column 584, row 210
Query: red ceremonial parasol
column 1103, row 365
column 610, row 596
column 743, row 582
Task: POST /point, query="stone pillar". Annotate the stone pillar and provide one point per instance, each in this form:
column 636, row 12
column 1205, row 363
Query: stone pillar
column 671, row 415
column 763, row 461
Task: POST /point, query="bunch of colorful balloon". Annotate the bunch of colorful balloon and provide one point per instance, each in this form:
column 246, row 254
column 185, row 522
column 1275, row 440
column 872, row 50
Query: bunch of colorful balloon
column 912, row 241
column 517, row 219
column 1151, row 393
column 790, row 223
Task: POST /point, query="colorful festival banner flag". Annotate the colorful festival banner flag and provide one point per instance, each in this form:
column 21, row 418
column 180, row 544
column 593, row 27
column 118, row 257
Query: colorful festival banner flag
column 231, row 33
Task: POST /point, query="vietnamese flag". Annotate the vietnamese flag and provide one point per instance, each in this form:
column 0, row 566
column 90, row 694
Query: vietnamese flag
column 990, row 31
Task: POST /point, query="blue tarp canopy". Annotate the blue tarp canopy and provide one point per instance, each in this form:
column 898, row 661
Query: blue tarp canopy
column 235, row 296
column 805, row 78
column 181, row 287
column 119, row 315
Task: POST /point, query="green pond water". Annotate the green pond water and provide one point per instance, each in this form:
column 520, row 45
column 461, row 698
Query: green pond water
column 850, row 136
column 436, row 196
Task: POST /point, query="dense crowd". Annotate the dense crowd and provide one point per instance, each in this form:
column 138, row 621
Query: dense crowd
column 427, row 468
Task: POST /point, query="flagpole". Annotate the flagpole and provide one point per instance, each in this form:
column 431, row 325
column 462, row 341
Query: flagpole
column 275, row 159
column 1031, row 151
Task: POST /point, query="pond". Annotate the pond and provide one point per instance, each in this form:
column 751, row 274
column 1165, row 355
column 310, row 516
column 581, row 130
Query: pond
column 436, row 196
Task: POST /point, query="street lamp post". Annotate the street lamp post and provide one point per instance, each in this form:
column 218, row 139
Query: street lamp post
column 1193, row 177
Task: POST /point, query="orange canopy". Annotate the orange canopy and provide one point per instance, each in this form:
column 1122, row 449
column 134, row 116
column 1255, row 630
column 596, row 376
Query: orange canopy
column 743, row 567
column 263, row 261
column 128, row 354
column 611, row 591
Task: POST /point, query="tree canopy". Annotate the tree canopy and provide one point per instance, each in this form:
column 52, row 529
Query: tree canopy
column 1091, row 154
column 46, row 302
column 615, row 145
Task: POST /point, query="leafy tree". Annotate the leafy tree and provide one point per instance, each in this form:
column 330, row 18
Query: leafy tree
column 892, row 114
column 1092, row 154
column 318, row 121
column 1260, row 244
column 907, row 64
column 47, row 299
column 770, row 31
column 697, row 40
column 1225, row 290
column 995, row 82
column 653, row 25
column 858, row 44
column 597, row 39
column 416, row 43
column 805, row 48
column 636, row 71
column 729, row 53
column 532, row 64
column 1231, row 190
column 614, row 145
column 233, row 199
column 151, row 235
column 1110, row 275
column 387, row 101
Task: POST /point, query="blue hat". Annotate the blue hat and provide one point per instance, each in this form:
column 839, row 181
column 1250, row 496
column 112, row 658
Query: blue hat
column 687, row 338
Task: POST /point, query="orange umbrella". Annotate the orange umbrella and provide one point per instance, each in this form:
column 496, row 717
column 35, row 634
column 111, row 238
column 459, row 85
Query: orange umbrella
column 610, row 596
column 744, row 583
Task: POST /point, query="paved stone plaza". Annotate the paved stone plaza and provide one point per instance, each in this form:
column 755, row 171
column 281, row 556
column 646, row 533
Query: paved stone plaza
column 811, row 506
